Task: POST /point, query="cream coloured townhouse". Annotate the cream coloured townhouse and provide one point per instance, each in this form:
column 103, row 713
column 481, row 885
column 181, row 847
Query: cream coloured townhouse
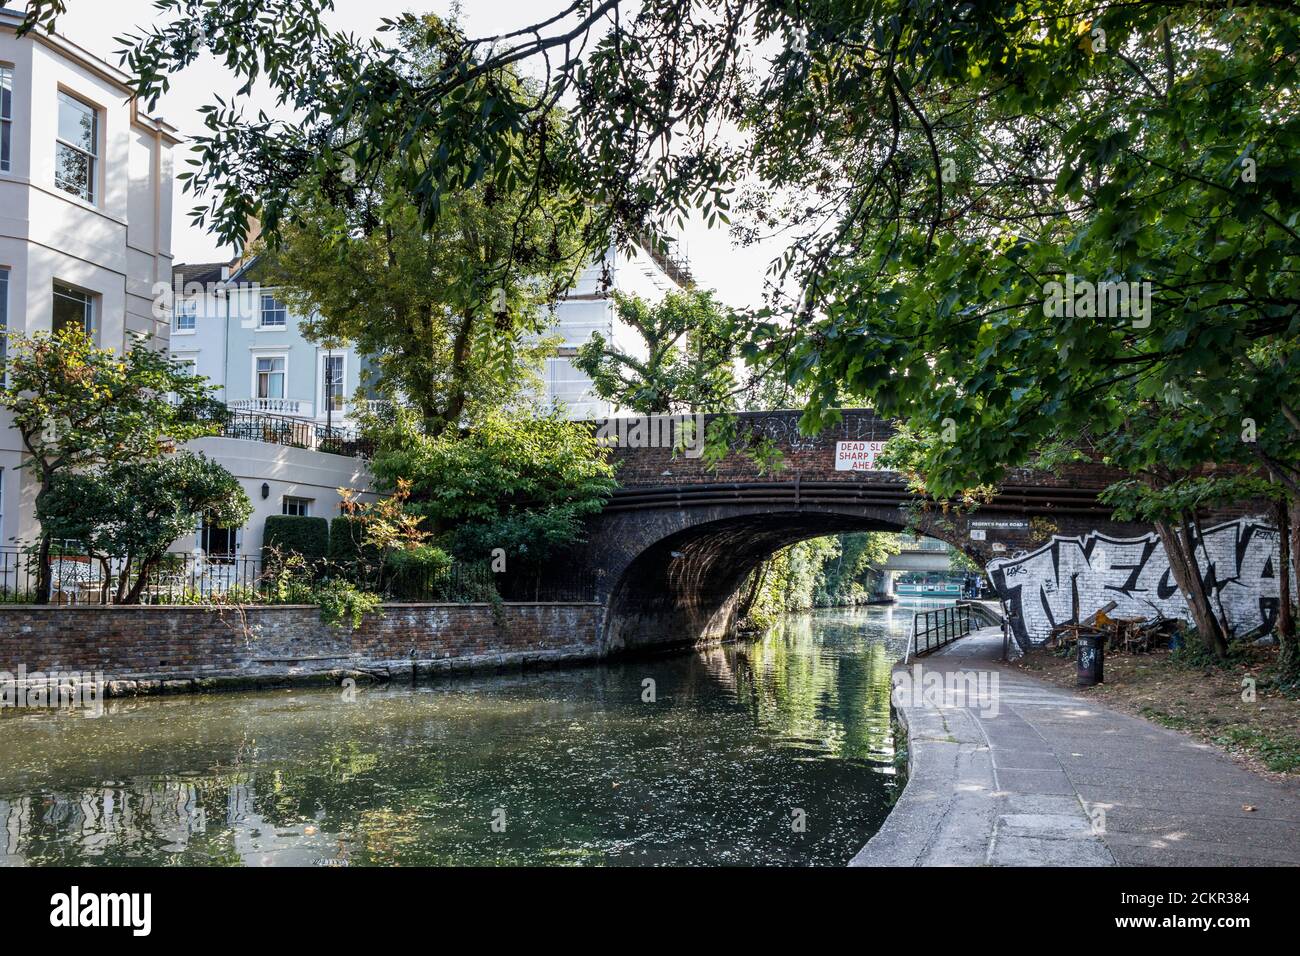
column 85, row 212
column 589, row 308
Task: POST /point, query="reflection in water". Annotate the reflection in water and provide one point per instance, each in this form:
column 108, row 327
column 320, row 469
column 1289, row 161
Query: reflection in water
column 580, row 768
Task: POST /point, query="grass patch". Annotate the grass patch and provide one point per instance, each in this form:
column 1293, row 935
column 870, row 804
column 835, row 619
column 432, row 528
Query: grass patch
column 1172, row 721
column 1280, row 753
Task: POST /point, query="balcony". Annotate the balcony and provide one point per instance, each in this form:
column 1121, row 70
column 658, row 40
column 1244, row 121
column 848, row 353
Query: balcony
column 293, row 407
column 294, row 433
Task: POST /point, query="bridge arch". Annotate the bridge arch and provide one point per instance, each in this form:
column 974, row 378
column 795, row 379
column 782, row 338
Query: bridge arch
column 682, row 583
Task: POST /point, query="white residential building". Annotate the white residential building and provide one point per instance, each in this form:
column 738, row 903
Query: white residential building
column 241, row 336
column 589, row 309
column 85, row 212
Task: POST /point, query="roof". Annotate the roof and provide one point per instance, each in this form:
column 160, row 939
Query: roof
column 249, row 272
column 183, row 273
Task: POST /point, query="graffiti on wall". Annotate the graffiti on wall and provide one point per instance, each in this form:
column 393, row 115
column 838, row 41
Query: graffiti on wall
column 1238, row 561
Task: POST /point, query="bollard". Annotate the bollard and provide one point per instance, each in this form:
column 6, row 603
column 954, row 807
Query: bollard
column 1091, row 657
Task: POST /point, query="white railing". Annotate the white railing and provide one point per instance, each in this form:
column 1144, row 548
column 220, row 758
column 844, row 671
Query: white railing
column 274, row 406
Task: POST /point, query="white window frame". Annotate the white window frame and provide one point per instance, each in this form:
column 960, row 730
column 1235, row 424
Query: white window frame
column 6, row 117
column 262, row 311
column 4, row 318
column 257, row 357
column 187, row 309
column 91, row 311
column 343, row 393
column 92, row 191
column 306, row 504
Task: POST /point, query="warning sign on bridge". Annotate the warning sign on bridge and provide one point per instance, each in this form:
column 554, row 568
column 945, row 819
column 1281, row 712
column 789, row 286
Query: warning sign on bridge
column 857, row 455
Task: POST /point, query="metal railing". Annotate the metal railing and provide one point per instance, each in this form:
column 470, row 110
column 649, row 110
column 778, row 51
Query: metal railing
column 912, row 545
column 295, row 433
column 77, row 578
column 932, row 630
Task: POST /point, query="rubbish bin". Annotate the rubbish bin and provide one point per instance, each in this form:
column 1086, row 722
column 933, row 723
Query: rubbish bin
column 1091, row 660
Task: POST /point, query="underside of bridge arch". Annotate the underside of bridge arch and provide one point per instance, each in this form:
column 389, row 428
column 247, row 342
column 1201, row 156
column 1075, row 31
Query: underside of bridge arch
column 685, row 589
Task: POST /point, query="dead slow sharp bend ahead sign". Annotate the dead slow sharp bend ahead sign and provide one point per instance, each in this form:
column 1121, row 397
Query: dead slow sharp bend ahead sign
column 857, row 455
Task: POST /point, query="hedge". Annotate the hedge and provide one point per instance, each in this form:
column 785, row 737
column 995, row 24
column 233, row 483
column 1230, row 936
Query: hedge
column 296, row 534
column 346, row 535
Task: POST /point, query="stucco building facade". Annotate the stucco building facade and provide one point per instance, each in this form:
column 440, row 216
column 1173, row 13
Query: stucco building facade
column 85, row 213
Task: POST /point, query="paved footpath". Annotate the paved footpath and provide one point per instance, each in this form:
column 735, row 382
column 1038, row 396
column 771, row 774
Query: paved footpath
column 1035, row 775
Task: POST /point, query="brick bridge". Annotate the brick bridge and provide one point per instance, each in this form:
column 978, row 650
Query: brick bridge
column 676, row 542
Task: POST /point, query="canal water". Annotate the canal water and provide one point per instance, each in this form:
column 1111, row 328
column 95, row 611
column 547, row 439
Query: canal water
column 777, row 751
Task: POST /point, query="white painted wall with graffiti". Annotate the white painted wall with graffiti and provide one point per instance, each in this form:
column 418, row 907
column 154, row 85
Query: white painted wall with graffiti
column 1238, row 559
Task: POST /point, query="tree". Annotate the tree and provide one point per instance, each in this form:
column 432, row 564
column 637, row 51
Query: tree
column 132, row 511
column 943, row 171
column 830, row 571
column 688, row 362
column 860, row 555
column 453, row 313
column 1043, row 244
column 77, row 407
column 519, row 484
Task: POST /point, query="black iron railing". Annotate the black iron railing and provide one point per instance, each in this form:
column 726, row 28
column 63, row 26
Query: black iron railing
column 189, row 578
column 932, row 630
column 294, row 433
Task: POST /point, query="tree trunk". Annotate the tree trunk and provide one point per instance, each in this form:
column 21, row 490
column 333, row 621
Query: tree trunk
column 43, row 571
column 459, row 374
column 1191, row 522
column 146, row 567
column 1182, row 564
column 1286, row 637
column 758, row 578
column 1292, row 573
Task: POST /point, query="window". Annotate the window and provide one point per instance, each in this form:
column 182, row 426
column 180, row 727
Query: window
column 298, row 507
column 270, row 377
column 4, row 311
column 333, row 379
column 186, row 310
column 77, row 149
column 274, row 314
column 219, row 543
column 6, row 116
column 73, row 309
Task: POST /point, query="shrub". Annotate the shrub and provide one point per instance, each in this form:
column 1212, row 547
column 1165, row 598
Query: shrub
column 347, row 542
column 417, row 573
column 294, row 534
column 343, row 603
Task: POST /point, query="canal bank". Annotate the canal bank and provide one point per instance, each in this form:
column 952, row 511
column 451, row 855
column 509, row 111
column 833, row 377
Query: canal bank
column 149, row 649
column 1030, row 774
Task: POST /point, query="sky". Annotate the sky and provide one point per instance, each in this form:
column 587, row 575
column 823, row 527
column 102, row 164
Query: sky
column 735, row 272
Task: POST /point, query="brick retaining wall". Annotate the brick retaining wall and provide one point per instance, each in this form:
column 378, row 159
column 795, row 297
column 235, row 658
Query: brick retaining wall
column 147, row 649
